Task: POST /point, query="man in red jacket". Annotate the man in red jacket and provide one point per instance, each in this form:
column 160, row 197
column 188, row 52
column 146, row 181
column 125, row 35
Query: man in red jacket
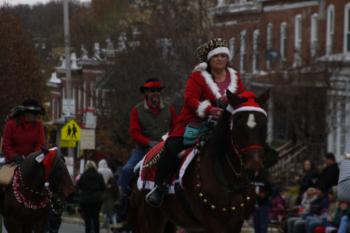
column 23, row 131
column 149, row 121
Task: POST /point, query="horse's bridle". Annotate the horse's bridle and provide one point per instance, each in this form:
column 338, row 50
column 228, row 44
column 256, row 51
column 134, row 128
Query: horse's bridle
column 236, row 148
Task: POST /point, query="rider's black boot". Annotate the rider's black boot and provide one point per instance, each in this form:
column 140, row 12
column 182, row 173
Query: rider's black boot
column 156, row 196
column 167, row 165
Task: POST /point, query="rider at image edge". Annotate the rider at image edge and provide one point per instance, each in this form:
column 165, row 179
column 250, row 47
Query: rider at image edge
column 205, row 96
column 23, row 131
column 150, row 119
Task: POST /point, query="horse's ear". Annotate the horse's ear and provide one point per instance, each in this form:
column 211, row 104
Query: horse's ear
column 234, row 100
column 263, row 98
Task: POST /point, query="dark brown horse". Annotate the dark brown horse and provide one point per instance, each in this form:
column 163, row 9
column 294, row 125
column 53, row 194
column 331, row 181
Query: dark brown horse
column 217, row 193
column 27, row 200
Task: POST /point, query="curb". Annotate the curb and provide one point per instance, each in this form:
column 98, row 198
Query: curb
column 73, row 220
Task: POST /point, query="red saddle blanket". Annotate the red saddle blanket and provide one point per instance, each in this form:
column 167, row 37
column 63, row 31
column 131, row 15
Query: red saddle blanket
column 149, row 168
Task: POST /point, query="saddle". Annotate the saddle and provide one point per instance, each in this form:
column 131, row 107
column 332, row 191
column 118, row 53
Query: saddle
column 6, row 174
column 148, row 167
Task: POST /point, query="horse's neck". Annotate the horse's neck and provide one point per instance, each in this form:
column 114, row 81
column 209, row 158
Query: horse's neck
column 220, row 163
column 32, row 177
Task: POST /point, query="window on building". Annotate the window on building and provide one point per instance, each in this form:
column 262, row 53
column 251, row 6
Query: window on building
column 347, row 28
column 330, row 29
column 256, row 35
column 269, row 38
column 283, row 41
column 231, row 45
column 84, row 95
column 75, row 99
column 221, row 2
column 64, row 92
column 297, row 40
column 314, row 35
column 92, row 95
column 242, row 51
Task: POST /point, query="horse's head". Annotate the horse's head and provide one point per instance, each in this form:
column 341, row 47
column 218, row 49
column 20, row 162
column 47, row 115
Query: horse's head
column 248, row 126
column 56, row 173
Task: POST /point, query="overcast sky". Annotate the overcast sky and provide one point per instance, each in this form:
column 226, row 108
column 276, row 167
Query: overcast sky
column 31, row 2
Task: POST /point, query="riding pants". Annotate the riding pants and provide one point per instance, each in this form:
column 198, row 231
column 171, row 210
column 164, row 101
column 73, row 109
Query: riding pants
column 127, row 170
column 169, row 161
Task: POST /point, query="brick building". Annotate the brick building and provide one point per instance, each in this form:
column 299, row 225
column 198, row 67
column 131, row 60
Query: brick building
column 299, row 49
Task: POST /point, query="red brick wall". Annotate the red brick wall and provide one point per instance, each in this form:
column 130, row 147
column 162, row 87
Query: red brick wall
column 260, row 21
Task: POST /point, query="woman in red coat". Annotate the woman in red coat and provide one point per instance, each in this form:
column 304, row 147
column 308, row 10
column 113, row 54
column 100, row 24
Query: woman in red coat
column 23, row 132
column 205, row 95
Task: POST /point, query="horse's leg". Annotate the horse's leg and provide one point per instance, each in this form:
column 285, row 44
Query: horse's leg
column 40, row 226
column 170, row 227
column 12, row 227
column 27, row 228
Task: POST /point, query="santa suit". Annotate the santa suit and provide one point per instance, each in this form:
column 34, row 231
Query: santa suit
column 201, row 94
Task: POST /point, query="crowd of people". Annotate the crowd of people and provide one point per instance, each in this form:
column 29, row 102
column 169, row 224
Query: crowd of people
column 313, row 208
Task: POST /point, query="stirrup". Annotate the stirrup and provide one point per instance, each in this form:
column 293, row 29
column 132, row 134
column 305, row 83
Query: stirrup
column 155, row 197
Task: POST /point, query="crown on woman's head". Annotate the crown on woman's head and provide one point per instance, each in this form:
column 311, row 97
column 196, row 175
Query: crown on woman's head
column 204, row 50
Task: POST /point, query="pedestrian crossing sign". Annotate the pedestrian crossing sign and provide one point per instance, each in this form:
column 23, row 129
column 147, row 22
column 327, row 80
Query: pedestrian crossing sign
column 70, row 131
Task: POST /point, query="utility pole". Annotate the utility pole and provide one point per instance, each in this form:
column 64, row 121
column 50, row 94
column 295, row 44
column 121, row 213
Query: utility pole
column 69, row 98
column 67, row 49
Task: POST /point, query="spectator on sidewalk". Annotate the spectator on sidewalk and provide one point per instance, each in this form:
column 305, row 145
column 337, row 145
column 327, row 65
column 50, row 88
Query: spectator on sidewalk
column 263, row 193
column 104, row 170
column 308, row 179
column 314, row 204
column 91, row 187
column 329, row 175
column 109, row 194
column 277, row 207
column 344, row 179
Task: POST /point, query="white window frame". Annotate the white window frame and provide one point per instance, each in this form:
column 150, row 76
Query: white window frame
column 242, row 50
column 346, row 28
column 84, row 95
column 297, row 32
column 255, row 63
column 283, row 40
column 297, row 39
column 269, row 41
column 231, row 45
column 92, row 94
column 314, row 35
column 330, row 29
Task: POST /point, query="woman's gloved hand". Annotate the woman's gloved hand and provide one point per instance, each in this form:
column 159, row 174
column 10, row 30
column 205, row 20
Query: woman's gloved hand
column 215, row 112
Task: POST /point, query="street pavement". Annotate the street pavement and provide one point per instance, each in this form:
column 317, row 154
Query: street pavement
column 76, row 225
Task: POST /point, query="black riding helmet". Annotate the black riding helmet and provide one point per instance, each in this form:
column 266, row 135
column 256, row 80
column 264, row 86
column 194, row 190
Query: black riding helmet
column 32, row 106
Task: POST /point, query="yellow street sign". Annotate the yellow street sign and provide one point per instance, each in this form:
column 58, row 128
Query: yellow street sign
column 68, row 144
column 70, row 131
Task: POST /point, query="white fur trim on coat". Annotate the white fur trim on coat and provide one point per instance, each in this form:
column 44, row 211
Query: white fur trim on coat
column 232, row 87
column 219, row 50
column 202, row 107
column 200, row 67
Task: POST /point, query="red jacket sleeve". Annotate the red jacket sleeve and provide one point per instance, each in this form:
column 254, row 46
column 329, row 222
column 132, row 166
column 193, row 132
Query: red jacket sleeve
column 193, row 94
column 135, row 128
column 173, row 116
column 41, row 137
column 8, row 148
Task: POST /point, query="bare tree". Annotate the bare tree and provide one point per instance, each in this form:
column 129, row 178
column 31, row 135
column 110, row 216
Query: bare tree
column 19, row 65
